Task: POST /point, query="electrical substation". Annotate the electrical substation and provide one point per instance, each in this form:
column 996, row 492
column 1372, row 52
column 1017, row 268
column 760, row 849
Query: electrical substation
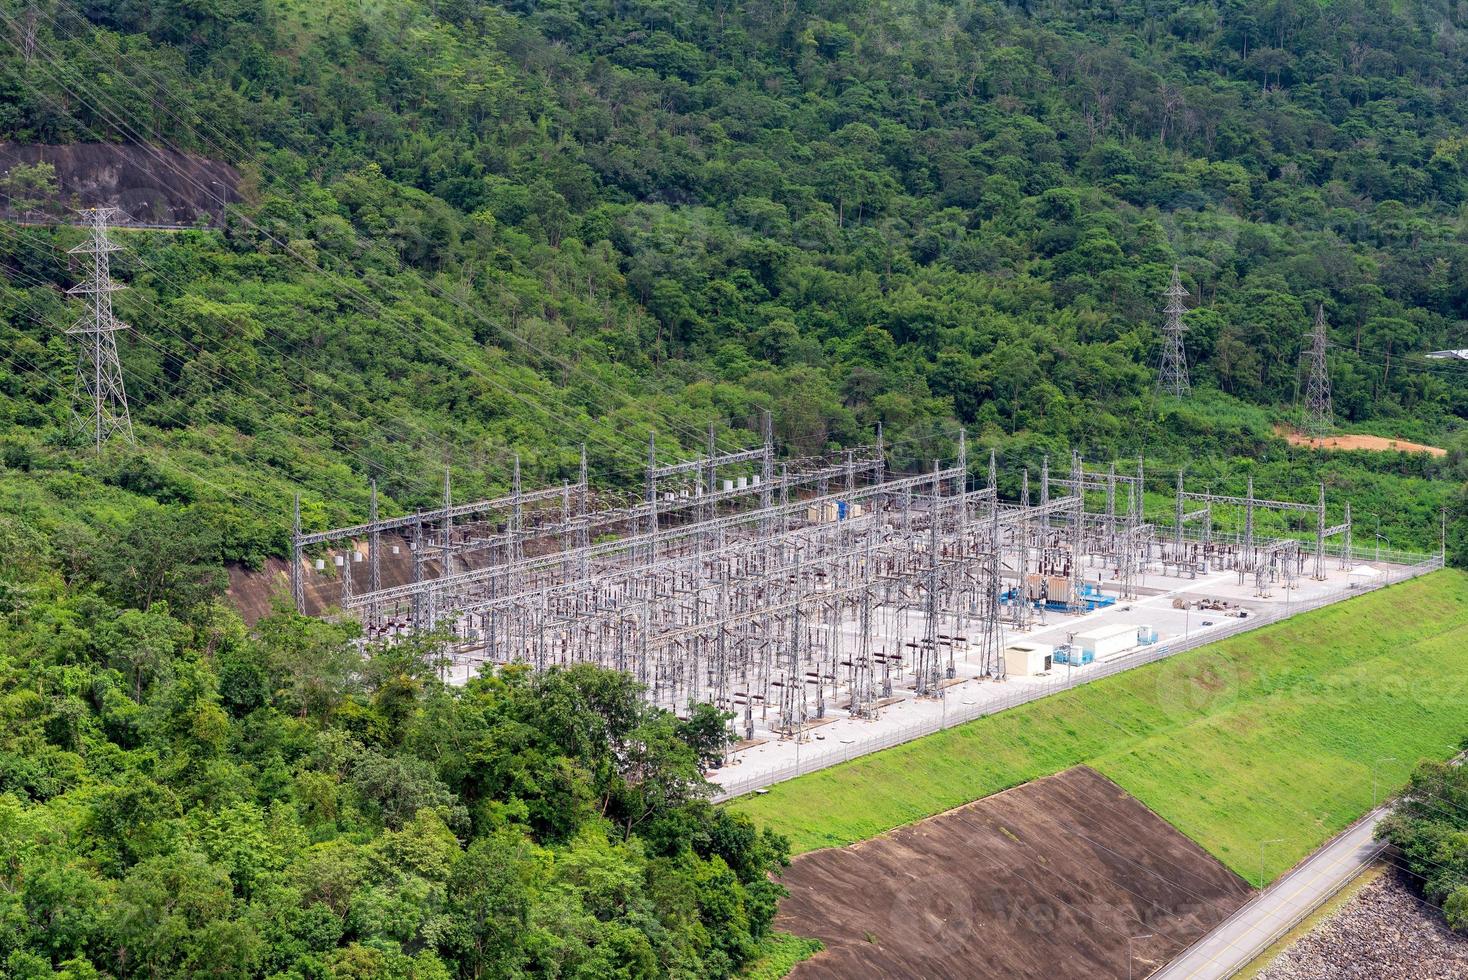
column 821, row 597
column 793, row 593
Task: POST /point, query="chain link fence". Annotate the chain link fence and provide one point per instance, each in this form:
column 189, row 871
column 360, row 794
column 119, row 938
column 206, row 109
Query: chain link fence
column 810, row 760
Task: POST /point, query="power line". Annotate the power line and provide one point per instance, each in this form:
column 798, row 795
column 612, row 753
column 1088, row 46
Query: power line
column 122, row 127
column 163, row 315
column 161, row 458
column 102, row 104
column 1403, row 359
column 269, row 515
column 161, row 318
column 105, row 108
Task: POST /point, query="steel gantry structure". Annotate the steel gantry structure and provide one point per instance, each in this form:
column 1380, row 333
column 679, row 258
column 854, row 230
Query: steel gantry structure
column 781, row 590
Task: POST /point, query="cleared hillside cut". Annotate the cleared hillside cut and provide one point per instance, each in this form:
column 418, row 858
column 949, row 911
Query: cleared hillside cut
column 1045, row 880
column 150, row 184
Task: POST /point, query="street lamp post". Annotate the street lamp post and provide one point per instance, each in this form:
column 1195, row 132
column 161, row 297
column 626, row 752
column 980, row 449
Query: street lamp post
column 1129, row 938
column 1276, row 840
column 1375, row 800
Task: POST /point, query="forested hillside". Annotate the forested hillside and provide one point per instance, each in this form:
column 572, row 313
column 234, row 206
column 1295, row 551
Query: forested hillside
column 473, row 230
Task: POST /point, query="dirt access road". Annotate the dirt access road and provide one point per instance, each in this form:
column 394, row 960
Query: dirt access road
column 1047, row 880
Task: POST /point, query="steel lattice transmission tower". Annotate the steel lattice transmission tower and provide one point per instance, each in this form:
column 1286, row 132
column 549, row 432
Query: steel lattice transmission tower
column 1172, row 376
column 100, row 400
column 1319, row 416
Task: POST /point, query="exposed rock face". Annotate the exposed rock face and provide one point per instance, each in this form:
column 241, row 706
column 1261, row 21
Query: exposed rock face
column 1383, row 932
column 150, row 184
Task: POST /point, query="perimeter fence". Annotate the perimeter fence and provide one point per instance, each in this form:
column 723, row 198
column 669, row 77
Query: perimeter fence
column 815, row 758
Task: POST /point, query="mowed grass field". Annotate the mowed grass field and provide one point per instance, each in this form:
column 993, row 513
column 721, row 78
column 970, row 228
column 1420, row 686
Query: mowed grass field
column 1272, row 736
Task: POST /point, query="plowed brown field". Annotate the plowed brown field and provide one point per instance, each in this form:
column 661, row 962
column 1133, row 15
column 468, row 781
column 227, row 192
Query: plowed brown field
column 1047, row 880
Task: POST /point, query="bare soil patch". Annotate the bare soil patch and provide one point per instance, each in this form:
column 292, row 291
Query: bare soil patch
column 250, row 590
column 1357, row 442
column 1046, row 880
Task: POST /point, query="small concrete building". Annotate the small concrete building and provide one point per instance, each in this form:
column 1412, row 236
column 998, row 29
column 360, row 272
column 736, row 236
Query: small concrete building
column 1107, row 641
column 1027, row 659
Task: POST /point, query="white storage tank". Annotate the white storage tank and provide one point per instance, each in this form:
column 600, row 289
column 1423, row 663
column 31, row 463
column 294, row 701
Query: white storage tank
column 1107, row 641
column 1027, row 659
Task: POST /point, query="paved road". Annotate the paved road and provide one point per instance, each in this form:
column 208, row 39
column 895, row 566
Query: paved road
column 1231, row 946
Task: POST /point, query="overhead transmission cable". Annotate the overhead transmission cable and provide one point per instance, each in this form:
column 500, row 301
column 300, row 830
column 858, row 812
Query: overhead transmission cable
column 1412, row 360
column 105, row 106
column 156, row 454
column 616, row 449
column 625, row 454
column 554, row 420
column 223, row 372
column 160, row 321
column 164, row 315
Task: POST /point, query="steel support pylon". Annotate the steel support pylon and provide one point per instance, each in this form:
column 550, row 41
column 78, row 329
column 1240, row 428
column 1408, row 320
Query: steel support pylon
column 1172, row 375
column 100, row 399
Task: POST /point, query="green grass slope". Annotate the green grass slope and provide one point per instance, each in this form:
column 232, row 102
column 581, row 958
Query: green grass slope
column 781, row 953
column 1273, row 735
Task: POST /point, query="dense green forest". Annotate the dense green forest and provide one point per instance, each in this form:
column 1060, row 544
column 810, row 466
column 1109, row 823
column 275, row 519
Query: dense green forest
column 469, row 230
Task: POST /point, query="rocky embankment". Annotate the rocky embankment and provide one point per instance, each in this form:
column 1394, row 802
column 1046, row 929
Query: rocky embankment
column 150, row 184
column 1384, row 933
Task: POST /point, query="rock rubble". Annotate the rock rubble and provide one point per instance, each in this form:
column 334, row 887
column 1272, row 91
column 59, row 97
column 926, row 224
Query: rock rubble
column 1384, row 933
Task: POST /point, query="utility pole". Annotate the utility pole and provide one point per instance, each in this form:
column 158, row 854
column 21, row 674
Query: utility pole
column 374, row 546
column 583, row 529
column 1022, row 563
column 448, row 525
column 298, row 585
column 517, row 513
column 1077, row 531
column 962, row 521
column 1172, row 376
column 652, row 496
column 1320, row 537
column 100, row 400
column 1319, row 417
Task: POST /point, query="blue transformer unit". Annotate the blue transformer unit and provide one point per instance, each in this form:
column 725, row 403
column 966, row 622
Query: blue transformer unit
column 1064, row 655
